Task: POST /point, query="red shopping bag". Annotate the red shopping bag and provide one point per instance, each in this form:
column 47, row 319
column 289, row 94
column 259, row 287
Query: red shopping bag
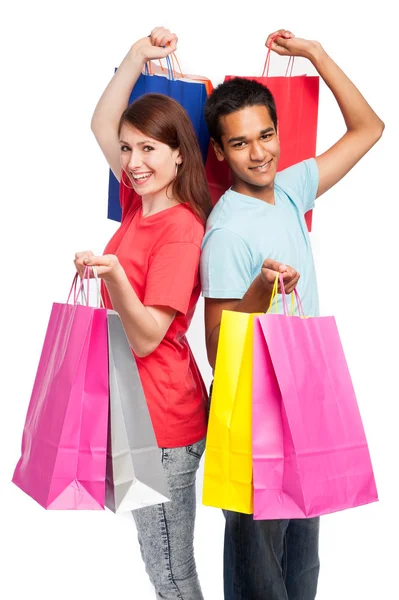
column 64, row 443
column 297, row 100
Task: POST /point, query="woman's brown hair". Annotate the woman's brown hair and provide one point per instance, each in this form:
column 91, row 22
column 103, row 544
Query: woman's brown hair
column 166, row 121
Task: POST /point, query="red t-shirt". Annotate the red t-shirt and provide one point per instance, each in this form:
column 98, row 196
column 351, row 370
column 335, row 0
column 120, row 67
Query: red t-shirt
column 160, row 255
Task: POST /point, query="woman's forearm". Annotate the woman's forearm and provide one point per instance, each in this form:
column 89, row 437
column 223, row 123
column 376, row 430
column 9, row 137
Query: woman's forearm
column 115, row 97
column 143, row 330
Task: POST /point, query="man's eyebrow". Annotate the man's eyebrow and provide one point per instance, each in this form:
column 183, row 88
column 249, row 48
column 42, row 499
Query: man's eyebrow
column 267, row 130
column 243, row 138
column 237, row 139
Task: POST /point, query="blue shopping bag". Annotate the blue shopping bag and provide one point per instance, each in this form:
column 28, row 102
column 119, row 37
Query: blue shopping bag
column 189, row 93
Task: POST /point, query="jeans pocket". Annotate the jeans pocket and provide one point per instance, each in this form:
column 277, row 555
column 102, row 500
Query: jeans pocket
column 165, row 452
column 196, row 449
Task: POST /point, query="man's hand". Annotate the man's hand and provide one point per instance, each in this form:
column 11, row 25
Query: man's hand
column 269, row 271
column 284, row 43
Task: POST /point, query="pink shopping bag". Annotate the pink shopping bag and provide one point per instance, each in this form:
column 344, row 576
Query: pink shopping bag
column 64, row 444
column 310, row 454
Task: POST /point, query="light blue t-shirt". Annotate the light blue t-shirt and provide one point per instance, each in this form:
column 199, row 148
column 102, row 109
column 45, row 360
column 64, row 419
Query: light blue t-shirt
column 243, row 231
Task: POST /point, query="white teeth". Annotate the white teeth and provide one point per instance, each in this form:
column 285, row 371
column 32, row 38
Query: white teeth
column 261, row 166
column 142, row 176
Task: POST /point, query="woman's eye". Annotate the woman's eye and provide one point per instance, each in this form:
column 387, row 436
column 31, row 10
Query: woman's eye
column 148, row 148
column 125, row 148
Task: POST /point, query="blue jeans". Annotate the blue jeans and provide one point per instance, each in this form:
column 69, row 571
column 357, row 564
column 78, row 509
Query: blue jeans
column 270, row 560
column 166, row 531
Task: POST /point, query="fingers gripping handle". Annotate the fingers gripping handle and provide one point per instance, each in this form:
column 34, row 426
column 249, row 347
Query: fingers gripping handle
column 290, row 64
column 294, row 298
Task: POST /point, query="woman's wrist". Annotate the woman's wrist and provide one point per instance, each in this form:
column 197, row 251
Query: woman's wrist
column 136, row 54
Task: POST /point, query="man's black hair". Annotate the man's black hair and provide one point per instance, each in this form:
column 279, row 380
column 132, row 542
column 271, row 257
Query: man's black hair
column 234, row 95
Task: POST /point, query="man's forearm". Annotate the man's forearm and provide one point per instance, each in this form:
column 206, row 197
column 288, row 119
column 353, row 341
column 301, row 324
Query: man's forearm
column 256, row 299
column 357, row 113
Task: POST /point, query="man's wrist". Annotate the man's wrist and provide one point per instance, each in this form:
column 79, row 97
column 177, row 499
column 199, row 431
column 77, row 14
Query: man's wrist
column 317, row 54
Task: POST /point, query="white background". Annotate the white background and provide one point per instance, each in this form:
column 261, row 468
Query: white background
column 56, row 58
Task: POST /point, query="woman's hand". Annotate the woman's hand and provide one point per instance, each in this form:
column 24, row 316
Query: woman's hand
column 152, row 47
column 108, row 266
column 80, row 257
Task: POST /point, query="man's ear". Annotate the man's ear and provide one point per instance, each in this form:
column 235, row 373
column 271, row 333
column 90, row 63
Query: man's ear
column 218, row 150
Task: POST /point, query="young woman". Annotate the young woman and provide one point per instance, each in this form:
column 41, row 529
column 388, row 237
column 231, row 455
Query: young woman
column 150, row 271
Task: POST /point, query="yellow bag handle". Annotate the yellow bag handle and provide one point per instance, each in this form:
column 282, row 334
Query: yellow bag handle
column 274, row 298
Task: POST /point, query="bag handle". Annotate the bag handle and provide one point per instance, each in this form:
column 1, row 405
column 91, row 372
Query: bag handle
column 290, row 64
column 180, row 72
column 295, row 298
column 74, row 289
column 169, row 64
column 80, row 291
column 173, row 74
column 100, row 300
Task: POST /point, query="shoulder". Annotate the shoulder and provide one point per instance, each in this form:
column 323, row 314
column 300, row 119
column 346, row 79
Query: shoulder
column 229, row 217
column 224, row 242
column 300, row 183
column 297, row 175
column 181, row 225
column 221, row 212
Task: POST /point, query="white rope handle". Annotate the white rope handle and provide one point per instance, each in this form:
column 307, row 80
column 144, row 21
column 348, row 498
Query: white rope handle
column 100, row 301
column 84, row 297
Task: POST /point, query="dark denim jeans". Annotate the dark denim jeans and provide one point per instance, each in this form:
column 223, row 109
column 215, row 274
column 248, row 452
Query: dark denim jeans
column 270, row 560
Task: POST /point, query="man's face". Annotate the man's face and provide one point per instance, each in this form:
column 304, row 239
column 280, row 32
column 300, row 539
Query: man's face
column 251, row 148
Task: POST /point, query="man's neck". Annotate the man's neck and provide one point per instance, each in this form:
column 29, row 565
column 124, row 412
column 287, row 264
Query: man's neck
column 265, row 194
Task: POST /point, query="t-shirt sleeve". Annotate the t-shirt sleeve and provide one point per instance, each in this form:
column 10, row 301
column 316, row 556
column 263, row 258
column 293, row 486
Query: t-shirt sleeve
column 300, row 182
column 226, row 265
column 172, row 276
column 127, row 196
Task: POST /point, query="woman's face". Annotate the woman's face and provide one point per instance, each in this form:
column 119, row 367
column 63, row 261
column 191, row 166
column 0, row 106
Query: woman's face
column 150, row 165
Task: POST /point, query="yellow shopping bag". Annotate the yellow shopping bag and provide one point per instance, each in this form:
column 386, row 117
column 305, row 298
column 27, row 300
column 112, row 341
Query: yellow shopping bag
column 228, row 456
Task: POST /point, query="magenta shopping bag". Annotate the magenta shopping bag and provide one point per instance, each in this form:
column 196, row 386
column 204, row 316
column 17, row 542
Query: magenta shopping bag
column 64, row 444
column 310, row 454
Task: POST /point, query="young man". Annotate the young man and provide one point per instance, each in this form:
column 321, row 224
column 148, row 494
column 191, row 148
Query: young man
column 256, row 230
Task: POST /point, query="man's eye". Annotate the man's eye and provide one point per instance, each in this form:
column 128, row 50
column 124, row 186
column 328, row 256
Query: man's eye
column 148, row 148
column 266, row 136
column 239, row 145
